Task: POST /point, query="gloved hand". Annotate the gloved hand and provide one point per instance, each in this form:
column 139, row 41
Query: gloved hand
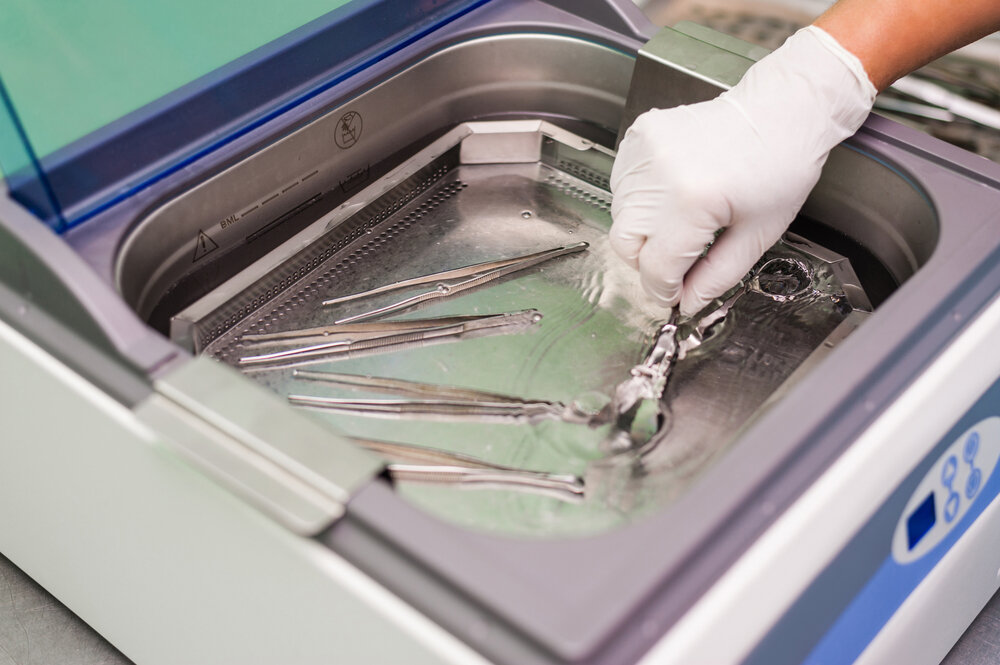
column 744, row 162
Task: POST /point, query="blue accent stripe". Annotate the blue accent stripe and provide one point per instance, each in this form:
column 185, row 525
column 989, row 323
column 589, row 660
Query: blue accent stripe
column 893, row 582
column 93, row 174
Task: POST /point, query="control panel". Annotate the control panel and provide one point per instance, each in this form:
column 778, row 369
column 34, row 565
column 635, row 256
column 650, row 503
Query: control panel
column 947, row 491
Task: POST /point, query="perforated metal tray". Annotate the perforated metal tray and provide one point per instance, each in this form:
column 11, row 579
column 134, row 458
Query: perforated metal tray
column 495, row 190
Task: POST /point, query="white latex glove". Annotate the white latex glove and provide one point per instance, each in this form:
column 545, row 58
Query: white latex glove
column 743, row 162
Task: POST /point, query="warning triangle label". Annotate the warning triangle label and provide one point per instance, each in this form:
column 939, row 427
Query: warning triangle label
column 204, row 245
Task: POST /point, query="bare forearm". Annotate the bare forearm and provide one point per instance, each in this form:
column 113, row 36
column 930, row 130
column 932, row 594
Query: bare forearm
column 894, row 37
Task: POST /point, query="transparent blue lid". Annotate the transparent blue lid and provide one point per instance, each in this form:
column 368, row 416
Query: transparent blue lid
column 99, row 99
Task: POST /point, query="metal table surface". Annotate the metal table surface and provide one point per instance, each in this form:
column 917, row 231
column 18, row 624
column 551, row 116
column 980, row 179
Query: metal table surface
column 37, row 629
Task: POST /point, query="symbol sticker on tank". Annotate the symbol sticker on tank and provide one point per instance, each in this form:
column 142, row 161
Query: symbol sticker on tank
column 203, row 245
column 348, row 129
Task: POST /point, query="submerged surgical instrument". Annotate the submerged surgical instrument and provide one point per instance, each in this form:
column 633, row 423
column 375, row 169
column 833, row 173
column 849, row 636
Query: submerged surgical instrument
column 645, row 386
column 434, row 402
column 780, row 279
column 413, row 463
column 421, row 333
column 451, row 282
column 643, row 391
column 354, row 331
column 560, row 486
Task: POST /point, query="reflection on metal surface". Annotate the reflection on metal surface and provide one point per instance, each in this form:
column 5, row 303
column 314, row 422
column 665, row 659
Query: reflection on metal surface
column 550, row 485
column 644, row 387
column 405, row 453
column 419, row 464
column 356, row 331
column 693, row 330
column 452, row 282
column 782, row 279
column 936, row 94
column 478, row 269
column 443, row 403
column 419, row 334
column 543, row 73
column 442, row 410
column 597, row 328
column 955, row 98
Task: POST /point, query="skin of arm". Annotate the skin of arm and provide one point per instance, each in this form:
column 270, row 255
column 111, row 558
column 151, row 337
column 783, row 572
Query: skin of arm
column 894, row 37
column 673, row 191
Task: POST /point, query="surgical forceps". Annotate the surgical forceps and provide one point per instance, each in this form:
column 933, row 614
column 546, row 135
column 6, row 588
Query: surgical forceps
column 645, row 385
column 452, row 282
column 430, row 465
column 348, row 339
column 780, row 279
column 642, row 392
column 353, row 331
column 427, row 401
column 407, row 462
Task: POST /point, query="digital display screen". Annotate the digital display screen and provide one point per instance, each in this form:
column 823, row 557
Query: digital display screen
column 920, row 521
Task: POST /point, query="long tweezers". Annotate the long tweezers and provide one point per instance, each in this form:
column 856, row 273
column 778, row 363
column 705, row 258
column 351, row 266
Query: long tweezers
column 566, row 488
column 477, row 326
column 431, row 401
column 442, row 409
column 405, row 387
column 408, row 462
column 354, row 331
column 451, row 282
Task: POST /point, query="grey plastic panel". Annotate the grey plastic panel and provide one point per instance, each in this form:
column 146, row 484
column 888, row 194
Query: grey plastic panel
column 107, row 372
column 48, row 275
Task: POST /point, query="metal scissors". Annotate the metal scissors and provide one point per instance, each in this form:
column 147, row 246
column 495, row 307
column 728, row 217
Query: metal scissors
column 452, row 282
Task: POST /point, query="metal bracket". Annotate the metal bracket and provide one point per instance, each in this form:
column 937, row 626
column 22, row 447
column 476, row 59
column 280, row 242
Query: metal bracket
column 685, row 64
